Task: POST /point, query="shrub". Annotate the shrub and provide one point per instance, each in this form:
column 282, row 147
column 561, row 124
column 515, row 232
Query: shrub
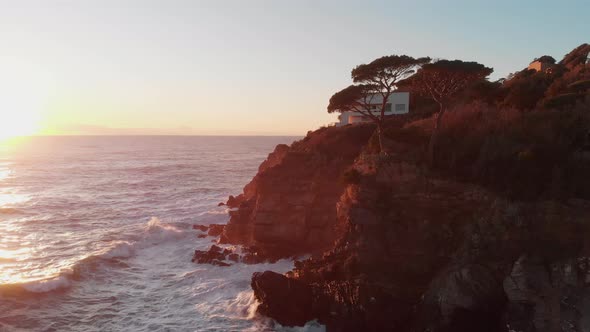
column 525, row 155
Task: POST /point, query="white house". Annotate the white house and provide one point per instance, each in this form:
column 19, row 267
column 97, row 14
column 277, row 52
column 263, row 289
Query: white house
column 397, row 103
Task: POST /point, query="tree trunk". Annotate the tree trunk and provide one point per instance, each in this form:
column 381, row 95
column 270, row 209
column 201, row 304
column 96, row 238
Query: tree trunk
column 435, row 133
column 380, row 136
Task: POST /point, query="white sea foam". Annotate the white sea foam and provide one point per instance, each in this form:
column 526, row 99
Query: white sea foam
column 48, row 285
column 244, row 305
column 156, row 232
column 120, row 249
column 217, row 211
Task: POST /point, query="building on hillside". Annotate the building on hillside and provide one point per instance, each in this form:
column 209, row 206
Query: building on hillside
column 540, row 65
column 588, row 59
column 397, row 103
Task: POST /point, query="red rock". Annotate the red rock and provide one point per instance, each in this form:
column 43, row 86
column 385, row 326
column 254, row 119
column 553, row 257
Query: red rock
column 288, row 301
column 215, row 230
column 201, row 228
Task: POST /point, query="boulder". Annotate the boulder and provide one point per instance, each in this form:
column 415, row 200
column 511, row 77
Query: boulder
column 212, row 256
column 287, row 300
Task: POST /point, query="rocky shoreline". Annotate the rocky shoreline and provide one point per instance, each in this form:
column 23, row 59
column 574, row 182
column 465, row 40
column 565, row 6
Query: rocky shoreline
column 403, row 249
column 492, row 234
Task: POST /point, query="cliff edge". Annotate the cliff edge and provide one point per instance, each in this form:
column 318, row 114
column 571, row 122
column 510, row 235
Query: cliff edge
column 289, row 207
column 447, row 248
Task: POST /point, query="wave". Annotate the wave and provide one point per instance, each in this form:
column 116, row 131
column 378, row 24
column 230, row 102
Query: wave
column 154, row 232
column 244, row 305
column 77, row 271
column 223, row 211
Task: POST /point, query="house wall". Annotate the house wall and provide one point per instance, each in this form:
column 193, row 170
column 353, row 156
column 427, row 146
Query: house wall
column 396, row 98
column 539, row 66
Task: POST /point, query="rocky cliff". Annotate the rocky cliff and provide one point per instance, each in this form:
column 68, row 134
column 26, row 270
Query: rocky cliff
column 425, row 253
column 433, row 249
column 289, row 207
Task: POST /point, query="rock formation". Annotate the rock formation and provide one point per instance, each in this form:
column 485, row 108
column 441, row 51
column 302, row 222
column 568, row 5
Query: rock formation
column 289, row 208
column 425, row 253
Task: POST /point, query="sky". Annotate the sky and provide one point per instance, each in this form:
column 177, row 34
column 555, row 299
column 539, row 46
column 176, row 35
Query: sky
column 246, row 67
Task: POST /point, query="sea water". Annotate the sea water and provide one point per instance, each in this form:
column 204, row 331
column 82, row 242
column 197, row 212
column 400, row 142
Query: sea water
column 96, row 234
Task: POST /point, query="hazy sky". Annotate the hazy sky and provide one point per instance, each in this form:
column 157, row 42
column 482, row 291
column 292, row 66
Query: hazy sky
column 246, row 67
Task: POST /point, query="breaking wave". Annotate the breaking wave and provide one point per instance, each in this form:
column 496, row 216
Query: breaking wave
column 154, row 232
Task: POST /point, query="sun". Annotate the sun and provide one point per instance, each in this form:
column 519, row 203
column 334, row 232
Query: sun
column 21, row 102
column 19, row 115
column 20, row 109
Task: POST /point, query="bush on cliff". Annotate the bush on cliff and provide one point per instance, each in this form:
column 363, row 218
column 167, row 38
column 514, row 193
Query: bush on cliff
column 528, row 155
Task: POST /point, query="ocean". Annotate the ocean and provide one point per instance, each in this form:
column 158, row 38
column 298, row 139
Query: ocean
column 96, row 234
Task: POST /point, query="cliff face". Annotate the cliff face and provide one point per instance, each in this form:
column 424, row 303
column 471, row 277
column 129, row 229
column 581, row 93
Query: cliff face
column 425, row 253
column 289, row 207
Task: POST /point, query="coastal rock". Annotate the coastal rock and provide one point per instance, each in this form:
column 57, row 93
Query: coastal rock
column 201, row 228
column 287, row 300
column 467, row 298
column 419, row 252
column 547, row 296
column 214, row 256
column 215, row 230
column 234, row 202
column 289, row 208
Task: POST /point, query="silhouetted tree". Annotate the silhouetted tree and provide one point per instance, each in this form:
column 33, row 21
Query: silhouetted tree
column 379, row 77
column 442, row 80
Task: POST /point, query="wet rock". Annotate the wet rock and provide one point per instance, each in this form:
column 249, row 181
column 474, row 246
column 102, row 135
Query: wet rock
column 201, row 228
column 215, row 249
column 234, row 202
column 287, row 300
column 202, row 235
column 219, row 263
column 233, row 257
column 215, row 229
column 252, row 258
column 208, row 256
